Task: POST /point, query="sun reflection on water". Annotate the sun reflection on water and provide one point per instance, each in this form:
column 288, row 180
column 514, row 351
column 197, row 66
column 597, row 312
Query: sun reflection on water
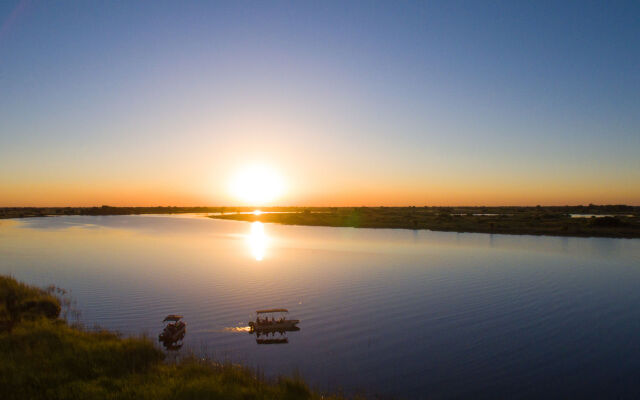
column 257, row 240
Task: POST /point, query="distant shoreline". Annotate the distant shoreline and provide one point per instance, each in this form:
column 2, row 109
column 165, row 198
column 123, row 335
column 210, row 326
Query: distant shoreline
column 615, row 221
column 541, row 221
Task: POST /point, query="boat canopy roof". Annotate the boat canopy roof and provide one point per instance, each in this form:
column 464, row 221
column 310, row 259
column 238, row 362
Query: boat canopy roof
column 172, row 317
column 272, row 310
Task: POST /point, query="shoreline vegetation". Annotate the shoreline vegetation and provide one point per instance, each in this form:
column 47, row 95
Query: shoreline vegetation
column 607, row 221
column 601, row 221
column 45, row 357
column 618, row 221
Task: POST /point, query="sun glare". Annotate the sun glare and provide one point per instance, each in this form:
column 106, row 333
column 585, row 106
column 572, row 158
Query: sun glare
column 257, row 240
column 257, row 185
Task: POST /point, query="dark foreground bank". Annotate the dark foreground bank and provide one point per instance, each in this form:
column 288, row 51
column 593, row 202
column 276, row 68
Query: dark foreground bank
column 43, row 357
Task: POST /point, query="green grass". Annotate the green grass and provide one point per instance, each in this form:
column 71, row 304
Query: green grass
column 43, row 357
column 20, row 302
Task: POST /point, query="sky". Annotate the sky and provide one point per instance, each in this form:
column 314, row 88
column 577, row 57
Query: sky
column 347, row 103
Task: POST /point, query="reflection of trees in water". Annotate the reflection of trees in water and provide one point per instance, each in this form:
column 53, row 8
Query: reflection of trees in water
column 169, row 346
column 273, row 336
column 605, row 246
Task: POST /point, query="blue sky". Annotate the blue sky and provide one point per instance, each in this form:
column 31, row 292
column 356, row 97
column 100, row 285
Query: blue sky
column 353, row 102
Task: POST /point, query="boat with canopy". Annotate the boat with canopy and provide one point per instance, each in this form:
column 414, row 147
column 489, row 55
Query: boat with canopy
column 274, row 319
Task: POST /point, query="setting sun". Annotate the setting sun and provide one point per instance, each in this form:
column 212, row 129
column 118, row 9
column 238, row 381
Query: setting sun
column 257, row 185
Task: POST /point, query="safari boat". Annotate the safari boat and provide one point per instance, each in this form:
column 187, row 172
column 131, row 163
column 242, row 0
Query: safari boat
column 274, row 319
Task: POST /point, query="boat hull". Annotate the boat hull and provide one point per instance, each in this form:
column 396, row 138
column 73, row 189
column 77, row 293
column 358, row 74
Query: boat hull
column 286, row 325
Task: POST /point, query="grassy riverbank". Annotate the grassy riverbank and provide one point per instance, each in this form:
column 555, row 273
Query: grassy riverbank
column 622, row 222
column 43, row 357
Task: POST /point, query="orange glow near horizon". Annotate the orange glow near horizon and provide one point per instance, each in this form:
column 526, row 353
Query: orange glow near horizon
column 125, row 195
column 311, row 183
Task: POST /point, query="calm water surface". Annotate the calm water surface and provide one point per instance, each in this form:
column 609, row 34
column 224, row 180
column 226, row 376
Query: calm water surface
column 417, row 314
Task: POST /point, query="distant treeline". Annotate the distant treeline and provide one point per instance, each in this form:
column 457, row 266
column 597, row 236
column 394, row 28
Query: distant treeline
column 23, row 212
column 620, row 221
column 614, row 221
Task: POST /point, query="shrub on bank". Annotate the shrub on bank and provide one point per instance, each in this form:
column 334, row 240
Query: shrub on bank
column 20, row 302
